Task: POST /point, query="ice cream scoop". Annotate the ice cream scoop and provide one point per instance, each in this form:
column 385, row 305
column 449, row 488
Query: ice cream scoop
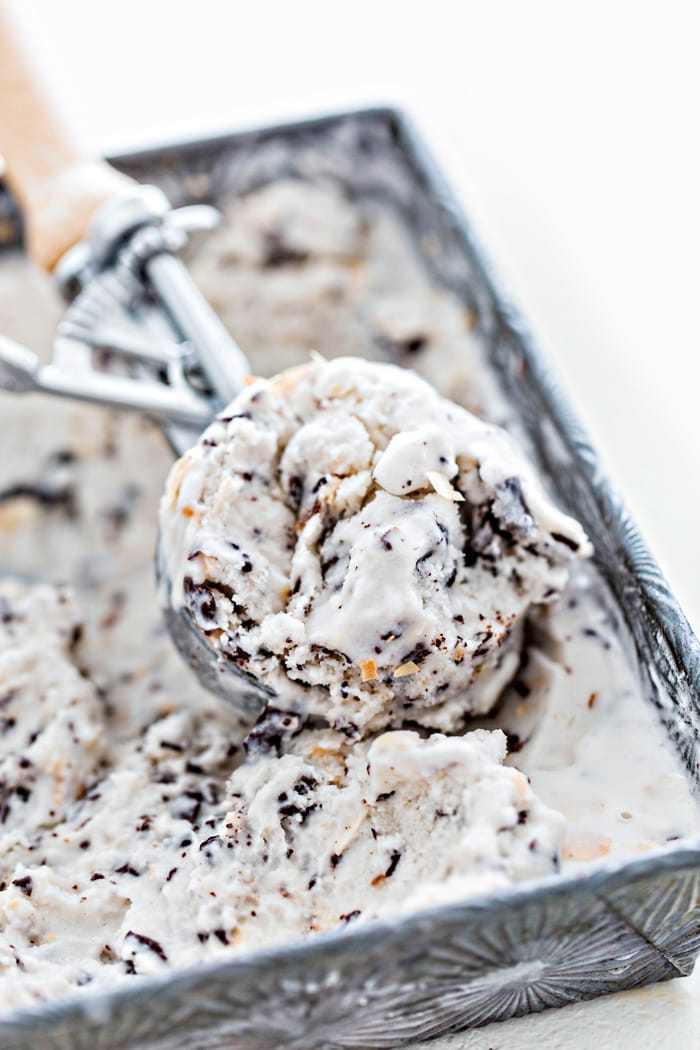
column 346, row 539
column 111, row 245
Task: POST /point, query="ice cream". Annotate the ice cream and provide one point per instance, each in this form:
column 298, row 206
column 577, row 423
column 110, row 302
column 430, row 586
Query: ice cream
column 364, row 547
column 142, row 767
column 354, row 267
column 336, row 832
column 50, row 716
column 296, row 832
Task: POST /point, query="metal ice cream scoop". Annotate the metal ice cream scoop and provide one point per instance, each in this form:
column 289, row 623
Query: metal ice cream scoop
column 137, row 334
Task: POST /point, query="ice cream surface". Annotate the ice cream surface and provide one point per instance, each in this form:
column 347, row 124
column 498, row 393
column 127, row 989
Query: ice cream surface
column 50, row 716
column 120, row 775
column 298, row 831
column 365, row 547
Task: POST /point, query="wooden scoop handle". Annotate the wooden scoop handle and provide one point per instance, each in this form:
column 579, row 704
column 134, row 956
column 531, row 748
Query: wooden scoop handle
column 58, row 188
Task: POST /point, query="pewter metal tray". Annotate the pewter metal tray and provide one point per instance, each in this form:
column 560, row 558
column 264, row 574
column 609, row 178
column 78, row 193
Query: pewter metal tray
column 563, row 939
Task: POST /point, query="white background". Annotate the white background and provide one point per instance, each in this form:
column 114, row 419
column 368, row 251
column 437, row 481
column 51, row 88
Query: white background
column 570, row 131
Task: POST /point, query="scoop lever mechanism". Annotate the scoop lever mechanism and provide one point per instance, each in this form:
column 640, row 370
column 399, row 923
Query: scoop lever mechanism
column 21, row 371
column 132, row 301
column 137, row 333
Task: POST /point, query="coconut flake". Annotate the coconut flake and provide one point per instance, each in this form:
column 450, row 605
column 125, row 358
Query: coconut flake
column 408, row 668
column 441, row 484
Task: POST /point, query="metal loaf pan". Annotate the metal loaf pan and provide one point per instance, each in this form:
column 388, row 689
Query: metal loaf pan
column 566, row 938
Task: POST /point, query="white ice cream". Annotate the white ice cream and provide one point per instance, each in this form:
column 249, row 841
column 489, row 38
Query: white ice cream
column 366, row 548
column 133, row 767
column 50, row 716
column 176, row 846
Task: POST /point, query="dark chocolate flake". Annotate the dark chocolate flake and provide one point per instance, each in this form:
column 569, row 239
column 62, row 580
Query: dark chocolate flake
column 191, row 814
column 406, row 347
column 416, row 655
column 303, row 812
column 236, row 415
column 201, row 602
column 24, row 884
column 171, row 745
column 515, row 744
column 273, row 728
column 126, row 869
column 48, row 494
column 149, row 942
column 209, row 841
column 279, row 252
column 327, row 565
column 393, row 865
column 559, row 537
column 295, row 489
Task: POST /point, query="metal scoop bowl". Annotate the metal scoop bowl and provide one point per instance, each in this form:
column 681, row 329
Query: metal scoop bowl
column 219, row 675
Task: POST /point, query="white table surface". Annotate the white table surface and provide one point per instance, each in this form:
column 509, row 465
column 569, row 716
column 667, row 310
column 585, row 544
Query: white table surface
column 571, row 132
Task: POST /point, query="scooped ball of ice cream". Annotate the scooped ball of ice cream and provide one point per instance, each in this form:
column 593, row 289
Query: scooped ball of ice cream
column 364, row 547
